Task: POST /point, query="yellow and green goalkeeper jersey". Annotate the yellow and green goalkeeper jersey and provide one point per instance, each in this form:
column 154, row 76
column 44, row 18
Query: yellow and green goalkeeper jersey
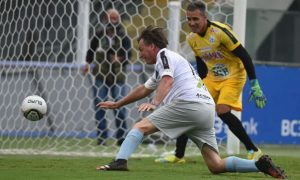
column 215, row 49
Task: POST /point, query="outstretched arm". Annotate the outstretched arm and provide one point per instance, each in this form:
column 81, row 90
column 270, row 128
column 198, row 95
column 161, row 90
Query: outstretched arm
column 136, row 94
column 256, row 93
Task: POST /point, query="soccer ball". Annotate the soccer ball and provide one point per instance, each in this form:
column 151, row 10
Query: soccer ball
column 34, row 107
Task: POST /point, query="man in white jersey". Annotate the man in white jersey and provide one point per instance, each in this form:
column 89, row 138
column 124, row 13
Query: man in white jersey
column 181, row 105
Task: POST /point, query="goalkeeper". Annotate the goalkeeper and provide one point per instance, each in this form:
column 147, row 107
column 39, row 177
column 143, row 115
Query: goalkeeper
column 224, row 62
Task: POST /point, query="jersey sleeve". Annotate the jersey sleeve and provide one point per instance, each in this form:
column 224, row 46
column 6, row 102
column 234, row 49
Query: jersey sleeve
column 151, row 83
column 164, row 65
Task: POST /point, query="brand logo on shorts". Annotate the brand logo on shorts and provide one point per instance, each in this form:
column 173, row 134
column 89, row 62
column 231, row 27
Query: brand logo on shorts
column 202, row 96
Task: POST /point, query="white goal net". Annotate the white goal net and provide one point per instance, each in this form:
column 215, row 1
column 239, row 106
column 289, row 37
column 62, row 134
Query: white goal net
column 43, row 48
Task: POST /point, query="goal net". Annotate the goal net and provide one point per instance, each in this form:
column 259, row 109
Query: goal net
column 43, row 48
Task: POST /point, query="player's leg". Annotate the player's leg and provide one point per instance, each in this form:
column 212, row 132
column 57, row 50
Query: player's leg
column 193, row 114
column 134, row 138
column 236, row 127
column 217, row 165
column 118, row 91
column 206, row 141
column 203, row 135
column 227, row 96
column 180, row 146
column 230, row 98
column 129, row 145
column 162, row 119
column 231, row 164
column 178, row 155
column 169, row 120
column 100, row 94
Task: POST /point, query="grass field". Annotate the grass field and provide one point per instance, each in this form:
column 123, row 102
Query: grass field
column 16, row 167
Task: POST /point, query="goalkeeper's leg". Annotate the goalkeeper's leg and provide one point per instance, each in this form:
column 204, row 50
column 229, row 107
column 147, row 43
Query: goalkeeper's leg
column 236, row 127
column 180, row 146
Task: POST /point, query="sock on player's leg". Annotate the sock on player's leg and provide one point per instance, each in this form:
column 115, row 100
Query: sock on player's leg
column 181, row 142
column 130, row 144
column 236, row 127
column 235, row 164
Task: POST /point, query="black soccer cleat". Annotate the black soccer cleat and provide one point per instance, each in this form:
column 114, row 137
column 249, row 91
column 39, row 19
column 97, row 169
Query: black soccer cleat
column 116, row 165
column 266, row 165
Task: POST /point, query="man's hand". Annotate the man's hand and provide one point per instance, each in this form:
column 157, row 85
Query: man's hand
column 257, row 94
column 85, row 69
column 146, row 107
column 108, row 105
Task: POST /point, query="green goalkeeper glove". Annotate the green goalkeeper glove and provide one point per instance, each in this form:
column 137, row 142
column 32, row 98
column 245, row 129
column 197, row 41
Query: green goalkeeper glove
column 257, row 94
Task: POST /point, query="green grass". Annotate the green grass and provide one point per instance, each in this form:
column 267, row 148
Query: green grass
column 16, row 167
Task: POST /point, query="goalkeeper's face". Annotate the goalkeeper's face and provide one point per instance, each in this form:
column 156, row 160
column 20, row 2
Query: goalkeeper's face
column 197, row 21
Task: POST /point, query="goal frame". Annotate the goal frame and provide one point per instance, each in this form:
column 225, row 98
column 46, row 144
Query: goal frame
column 48, row 62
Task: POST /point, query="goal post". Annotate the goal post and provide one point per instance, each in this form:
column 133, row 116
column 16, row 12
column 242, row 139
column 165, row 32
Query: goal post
column 43, row 47
column 174, row 25
column 83, row 30
column 239, row 26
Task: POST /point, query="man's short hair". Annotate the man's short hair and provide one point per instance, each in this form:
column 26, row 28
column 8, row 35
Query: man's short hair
column 196, row 5
column 154, row 35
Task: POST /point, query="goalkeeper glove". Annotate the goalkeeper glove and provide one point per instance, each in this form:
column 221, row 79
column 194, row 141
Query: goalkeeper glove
column 257, row 94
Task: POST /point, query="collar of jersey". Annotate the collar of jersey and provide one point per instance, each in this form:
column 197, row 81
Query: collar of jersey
column 208, row 25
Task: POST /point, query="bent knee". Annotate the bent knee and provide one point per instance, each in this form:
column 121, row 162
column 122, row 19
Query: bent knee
column 216, row 169
column 216, row 166
column 145, row 126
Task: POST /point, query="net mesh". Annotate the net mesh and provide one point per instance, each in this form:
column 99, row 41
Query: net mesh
column 40, row 54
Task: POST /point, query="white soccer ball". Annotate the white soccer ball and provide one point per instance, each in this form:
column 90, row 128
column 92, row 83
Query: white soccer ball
column 34, row 107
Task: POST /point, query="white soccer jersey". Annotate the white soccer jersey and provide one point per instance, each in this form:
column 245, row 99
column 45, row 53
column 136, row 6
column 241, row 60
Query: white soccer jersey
column 187, row 85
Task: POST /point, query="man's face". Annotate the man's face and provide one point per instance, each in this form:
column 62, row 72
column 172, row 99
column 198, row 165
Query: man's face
column 197, row 21
column 147, row 52
column 114, row 17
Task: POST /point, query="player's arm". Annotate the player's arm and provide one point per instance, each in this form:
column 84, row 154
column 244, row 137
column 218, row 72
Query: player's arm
column 138, row 93
column 256, row 92
column 201, row 67
column 163, row 89
column 242, row 53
